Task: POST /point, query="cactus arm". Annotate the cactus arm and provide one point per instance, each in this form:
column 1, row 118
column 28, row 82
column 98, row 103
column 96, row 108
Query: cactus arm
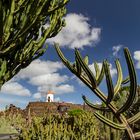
column 134, row 119
column 109, row 82
column 109, row 122
column 9, row 21
column 86, row 68
column 120, row 77
column 79, row 69
column 1, row 23
column 133, row 82
column 3, row 68
column 97, row 70
column 101, row 76
column 60, row 54
column 97, row 107
column 137, row 135
column 63, row 59
column 86, row 60
column 126, row 80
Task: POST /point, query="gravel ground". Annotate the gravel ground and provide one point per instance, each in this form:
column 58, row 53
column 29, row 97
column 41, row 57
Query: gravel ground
column 8, row 136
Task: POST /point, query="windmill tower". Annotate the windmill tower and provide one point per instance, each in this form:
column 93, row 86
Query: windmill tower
column 50, row 95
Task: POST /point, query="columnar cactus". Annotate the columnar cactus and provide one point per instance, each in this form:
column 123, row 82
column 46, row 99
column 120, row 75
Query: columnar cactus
column 81, row 69
column 22, row 32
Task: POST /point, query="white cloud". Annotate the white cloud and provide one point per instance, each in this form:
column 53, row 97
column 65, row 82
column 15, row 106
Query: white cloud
column 14, row 88
column 58, row 89
column 66, row 88
column 39, row 67
column 137, row 58
column 113, row 71
column 77, row 33
column 48, row 79
column 45, row 75
column 116, row 50
column 37, row 95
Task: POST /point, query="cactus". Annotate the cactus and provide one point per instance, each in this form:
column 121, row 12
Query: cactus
column 22, row 32
column 82, row 71
column 56, row 127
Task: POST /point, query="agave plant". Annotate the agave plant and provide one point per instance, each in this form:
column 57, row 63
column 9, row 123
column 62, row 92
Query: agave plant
column 81, row 69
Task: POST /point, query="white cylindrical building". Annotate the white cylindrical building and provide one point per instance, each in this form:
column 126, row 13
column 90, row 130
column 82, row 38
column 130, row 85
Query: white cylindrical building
column 50, row 96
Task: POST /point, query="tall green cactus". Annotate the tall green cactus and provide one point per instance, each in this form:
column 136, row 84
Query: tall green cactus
column 82, row 71
column 22, row 32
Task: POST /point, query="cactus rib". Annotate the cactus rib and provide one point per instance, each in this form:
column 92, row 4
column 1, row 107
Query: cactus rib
column 97, row 70
column 101, row 76
column 120, row 77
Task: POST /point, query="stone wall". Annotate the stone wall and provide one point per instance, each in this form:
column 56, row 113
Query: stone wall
column 41, row 108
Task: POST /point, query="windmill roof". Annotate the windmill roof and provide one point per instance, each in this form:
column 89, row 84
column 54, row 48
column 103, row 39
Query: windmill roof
column 50, row 92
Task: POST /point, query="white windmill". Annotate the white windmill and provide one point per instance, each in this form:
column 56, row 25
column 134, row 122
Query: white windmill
column 50, row 96
column 48, row 93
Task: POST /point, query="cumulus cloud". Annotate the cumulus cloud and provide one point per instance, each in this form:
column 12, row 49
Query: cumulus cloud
column 45, row 75
column 48, row 79
column 64, row 89
column 116, row 50
column 58, row 89
column 39, row 67
column 77, row 33
column 137, row 58
column 14, row 88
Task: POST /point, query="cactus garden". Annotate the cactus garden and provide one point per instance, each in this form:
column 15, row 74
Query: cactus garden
column 69, row 70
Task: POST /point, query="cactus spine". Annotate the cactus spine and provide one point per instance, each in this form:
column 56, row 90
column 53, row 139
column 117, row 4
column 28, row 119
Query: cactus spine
column 23, row 32
column 92, row 81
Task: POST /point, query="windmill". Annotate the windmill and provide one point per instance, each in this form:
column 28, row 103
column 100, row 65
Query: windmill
column 48, row 93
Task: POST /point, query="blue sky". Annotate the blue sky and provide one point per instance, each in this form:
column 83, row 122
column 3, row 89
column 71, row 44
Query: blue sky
column 98, row 28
